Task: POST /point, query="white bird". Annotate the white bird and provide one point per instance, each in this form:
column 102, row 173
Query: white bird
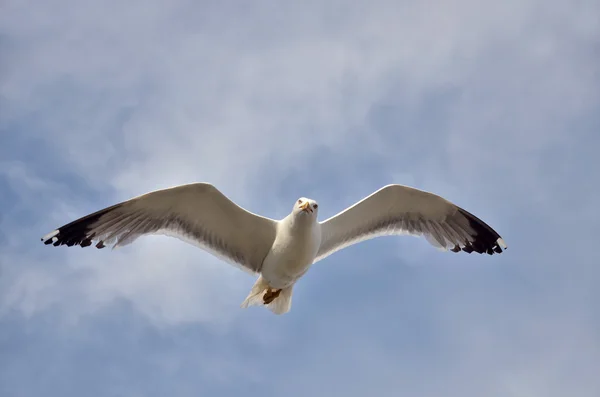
column 279, row 252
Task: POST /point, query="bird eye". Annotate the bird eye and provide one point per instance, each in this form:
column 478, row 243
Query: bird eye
column 300, row 201
column 315, row 206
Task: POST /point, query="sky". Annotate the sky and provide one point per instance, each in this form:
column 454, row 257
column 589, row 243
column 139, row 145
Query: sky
column 493, row 105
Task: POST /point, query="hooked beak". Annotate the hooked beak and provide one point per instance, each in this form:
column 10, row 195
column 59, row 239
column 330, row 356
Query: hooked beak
column 306, row 207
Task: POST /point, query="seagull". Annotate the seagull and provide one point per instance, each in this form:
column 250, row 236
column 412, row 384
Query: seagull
column 279, row 252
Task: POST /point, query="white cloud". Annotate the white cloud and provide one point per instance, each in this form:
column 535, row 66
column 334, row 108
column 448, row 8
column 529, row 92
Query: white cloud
column 132, row 97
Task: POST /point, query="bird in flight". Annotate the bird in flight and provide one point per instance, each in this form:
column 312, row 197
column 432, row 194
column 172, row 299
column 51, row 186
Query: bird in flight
column 279, row 252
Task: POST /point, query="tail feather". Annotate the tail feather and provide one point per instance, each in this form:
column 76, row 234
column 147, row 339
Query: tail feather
column 283, row 303
column 255, row 297
column 280, row 305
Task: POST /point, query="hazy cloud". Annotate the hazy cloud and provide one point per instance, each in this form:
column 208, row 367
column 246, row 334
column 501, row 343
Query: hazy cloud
column 493, row 105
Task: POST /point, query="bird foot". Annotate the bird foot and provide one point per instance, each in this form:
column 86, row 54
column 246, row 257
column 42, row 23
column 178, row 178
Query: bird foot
column 270, row 295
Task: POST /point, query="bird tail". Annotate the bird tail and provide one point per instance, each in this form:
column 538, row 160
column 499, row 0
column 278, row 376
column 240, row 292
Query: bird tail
column 280, row 305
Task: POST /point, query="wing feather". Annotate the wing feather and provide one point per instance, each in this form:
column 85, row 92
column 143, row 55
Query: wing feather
column 196, row 213
column 397, row 210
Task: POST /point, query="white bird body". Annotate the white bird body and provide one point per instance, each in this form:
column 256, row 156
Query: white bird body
column 295, row 248
column 297, row 242
column 279, row 252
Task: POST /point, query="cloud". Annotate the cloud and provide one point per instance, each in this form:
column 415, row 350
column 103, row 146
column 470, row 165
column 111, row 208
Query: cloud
column 489, row 104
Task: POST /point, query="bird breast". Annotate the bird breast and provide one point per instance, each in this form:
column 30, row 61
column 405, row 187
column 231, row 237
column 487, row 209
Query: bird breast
column 293, row 252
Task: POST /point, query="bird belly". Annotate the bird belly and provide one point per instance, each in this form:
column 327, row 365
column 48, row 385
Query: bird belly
column 282, row 268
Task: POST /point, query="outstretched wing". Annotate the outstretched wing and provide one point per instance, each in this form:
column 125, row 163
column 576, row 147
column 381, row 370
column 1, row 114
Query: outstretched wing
column 197, row 213
column 398, row 209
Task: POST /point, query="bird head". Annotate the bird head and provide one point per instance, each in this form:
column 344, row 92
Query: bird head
column 305, row 206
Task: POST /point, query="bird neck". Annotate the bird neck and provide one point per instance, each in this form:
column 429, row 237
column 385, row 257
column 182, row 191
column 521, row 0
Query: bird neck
column 300, row 224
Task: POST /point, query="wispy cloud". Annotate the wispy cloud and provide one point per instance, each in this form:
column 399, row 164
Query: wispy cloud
column 493, row 105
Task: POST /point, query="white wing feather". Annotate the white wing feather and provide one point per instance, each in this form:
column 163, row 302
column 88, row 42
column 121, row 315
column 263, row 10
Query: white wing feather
column 197, row 213
column 397, row 210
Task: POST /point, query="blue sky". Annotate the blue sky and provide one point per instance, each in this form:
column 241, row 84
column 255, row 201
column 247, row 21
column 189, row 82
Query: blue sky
column 493, row 105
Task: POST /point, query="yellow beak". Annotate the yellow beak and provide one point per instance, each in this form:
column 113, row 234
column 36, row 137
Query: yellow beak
column 306, row 207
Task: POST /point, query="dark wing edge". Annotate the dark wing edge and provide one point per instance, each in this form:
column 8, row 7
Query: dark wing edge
column 78, row 231
column 485, row 240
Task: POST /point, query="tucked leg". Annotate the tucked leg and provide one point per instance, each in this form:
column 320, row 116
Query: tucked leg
column 270, row 295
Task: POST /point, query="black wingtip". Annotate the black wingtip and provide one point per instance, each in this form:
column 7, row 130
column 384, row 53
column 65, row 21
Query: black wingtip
column 486, row 239
column 77, row 232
